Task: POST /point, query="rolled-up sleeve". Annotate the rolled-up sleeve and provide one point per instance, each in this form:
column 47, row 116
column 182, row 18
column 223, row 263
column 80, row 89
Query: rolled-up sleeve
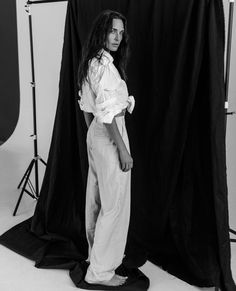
column 103, row 82
column 131, row 102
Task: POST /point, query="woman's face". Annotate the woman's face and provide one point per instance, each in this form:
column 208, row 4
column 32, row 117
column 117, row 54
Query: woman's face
column 115, row 36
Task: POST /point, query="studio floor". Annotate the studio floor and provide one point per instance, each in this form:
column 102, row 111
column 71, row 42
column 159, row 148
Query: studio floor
column 17, row 273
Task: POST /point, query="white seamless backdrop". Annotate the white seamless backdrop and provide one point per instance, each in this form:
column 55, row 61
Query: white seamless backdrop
column 48, row 21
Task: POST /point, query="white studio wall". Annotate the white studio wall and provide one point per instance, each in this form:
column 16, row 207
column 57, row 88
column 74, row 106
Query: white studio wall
column 48, row 21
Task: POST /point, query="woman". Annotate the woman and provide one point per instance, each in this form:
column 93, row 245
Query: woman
column 104, row 99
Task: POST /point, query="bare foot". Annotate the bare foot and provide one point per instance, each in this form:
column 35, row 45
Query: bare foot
column 116, row 280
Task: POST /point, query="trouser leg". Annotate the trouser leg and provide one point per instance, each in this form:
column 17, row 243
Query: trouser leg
column 113, row 219
column 93, row 202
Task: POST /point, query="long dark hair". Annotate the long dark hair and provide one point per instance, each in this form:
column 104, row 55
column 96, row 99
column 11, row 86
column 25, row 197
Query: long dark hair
column 96, row 41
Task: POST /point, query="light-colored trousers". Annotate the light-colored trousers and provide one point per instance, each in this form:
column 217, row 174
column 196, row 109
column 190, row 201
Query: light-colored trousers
column 107, row 201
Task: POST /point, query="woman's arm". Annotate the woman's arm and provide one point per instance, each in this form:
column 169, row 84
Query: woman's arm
column 88, row 118
column 115, row 135
column 125, row 158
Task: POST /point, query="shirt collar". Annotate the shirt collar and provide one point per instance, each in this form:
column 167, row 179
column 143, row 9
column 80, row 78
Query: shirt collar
column 107, row 55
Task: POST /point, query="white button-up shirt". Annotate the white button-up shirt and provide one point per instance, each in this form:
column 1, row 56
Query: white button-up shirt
column 104, row 93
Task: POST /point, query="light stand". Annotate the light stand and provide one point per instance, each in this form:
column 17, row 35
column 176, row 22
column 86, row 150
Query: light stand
column 228, row 55
column 34, row 162
column 230, row 25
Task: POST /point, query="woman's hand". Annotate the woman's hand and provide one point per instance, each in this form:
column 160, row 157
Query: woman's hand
column 126, row 161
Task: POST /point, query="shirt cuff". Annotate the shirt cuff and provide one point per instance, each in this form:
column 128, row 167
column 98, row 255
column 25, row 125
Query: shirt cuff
column 106, row 110
column 131, row 105
column 81, row 104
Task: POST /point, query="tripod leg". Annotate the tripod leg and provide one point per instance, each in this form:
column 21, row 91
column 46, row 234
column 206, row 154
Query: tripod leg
column 23, row 189
column 36, row 179
column 232, row 231
column 43, row 161
column 24, row 176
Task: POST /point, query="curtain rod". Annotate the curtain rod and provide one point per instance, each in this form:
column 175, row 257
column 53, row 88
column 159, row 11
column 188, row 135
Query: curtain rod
column 41, row 1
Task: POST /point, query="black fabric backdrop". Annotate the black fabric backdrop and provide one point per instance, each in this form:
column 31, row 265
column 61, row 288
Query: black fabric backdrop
column 179, row 211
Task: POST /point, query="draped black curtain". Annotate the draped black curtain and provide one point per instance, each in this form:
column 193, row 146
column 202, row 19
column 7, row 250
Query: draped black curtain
column 179, row 206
